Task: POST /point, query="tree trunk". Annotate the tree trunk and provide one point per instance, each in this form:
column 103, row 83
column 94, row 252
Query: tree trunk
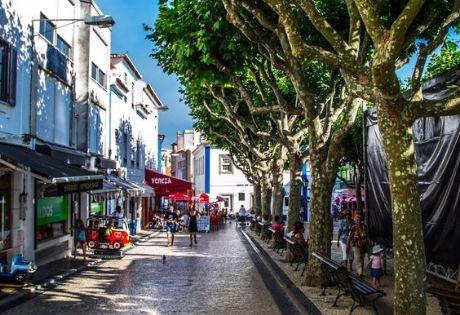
column 257, row 199
column 266, row 198
column 295, row 168
column 320, row 233
column 409, row 251
column 277, row 205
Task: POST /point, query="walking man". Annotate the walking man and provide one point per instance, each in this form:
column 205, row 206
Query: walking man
column 171, row 225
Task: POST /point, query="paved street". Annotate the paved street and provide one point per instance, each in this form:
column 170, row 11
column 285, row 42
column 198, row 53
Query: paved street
column 215, row 277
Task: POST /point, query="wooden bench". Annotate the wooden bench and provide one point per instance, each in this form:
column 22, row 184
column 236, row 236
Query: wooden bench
column 279, row 244
column 266, row 235
column 361, row 291
column 449, row 300
column 258, row 228
column 300, row 257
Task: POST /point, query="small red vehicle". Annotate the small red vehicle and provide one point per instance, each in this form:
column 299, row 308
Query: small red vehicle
column 107, row 232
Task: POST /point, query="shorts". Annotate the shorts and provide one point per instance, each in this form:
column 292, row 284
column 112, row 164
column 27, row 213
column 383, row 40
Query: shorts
column 376, row 273
column 171, row 228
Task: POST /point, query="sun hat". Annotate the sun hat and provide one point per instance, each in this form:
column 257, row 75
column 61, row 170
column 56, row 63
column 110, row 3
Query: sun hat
column 377, row 249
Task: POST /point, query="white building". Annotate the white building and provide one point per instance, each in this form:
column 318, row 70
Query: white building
column 47, row 104
column 132, row 130
column 216, row 175
column 182, row 154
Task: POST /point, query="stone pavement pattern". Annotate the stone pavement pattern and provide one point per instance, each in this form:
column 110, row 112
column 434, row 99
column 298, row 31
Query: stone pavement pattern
column 215, row 277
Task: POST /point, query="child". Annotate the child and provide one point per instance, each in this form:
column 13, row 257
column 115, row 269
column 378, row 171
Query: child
column 375, row 262
column 79, row 238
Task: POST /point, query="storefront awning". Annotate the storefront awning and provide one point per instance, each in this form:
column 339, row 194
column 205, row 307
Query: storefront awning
column 129, row 187
column 165, row 185
column 48, row 169
column 107, row 188
column 146, row 189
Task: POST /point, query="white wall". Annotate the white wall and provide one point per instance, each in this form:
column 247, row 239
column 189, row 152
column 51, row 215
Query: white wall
column 15, row 22
column 144, row 126
column 226, row 185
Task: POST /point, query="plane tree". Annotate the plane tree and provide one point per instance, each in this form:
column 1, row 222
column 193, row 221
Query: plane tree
column 368, row 41
column 194, row 41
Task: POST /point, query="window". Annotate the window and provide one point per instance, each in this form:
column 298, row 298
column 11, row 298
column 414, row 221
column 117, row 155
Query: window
column 63, row 46
column 52, row 217
column 47, row 29
column 93, row 71
column 132, row 94
column 8, row 70
column 241, row 196
column 225, row 164
column 101, row 78
column 97, row 74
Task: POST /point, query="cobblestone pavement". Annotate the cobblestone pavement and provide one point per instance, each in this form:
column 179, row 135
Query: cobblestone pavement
column 215, row 277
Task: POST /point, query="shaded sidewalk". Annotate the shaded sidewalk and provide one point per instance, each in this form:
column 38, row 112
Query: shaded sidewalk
column 49, row 275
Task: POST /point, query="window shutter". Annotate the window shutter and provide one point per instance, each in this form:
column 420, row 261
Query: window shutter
column 12, row 74
column 4, row 70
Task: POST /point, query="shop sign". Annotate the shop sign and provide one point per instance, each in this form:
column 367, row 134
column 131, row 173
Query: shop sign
column 52, row 209
column 97, row 207
column 68, row 188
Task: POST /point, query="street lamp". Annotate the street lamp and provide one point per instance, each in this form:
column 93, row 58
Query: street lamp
column 102, row 21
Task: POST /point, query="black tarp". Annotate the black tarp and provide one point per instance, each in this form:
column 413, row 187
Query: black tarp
column 437, row 151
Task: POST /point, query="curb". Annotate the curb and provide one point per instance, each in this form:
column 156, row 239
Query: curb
column 28, row 293
column 296, row 295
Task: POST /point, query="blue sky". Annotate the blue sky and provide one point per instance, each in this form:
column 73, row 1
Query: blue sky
column 128, row 35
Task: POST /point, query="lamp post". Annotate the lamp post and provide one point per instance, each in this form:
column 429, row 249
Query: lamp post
column 102, row 21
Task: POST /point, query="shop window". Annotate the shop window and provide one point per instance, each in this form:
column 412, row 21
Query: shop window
column 5, row 220
column 225, row 166
column 8, row 70
column 52, row 217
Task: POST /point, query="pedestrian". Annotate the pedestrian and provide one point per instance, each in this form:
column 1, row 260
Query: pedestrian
column 346, row 222
column 79, row 238
column 357, row 241
column 119, row 213
column 375, row 262
column 171, row 225
column 192, row 225
column 242, row 215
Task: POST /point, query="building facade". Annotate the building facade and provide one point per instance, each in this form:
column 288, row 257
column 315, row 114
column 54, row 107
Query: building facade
column 132, row 131
column 58, row 140
column 216, row 175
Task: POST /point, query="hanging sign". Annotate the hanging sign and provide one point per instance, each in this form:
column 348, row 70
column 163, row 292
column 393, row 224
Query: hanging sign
column 68, row 188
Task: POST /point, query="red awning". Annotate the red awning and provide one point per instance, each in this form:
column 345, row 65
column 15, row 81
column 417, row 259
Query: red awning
column 165, row 185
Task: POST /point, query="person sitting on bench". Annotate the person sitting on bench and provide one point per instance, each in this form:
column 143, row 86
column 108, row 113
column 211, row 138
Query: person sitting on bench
column 277, row 226
column 298, row 237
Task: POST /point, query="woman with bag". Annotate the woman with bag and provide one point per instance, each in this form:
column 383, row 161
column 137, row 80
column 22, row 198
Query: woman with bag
column 357, row 240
